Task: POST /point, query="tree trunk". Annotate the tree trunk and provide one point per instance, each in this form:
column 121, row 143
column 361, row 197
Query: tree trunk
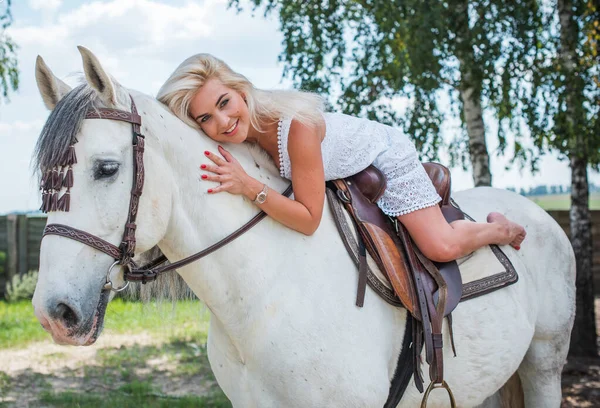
column 473, row 117
column 470, row 93
column 583, row 336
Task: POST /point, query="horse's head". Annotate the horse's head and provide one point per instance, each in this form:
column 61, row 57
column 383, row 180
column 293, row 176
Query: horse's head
column 70, row 299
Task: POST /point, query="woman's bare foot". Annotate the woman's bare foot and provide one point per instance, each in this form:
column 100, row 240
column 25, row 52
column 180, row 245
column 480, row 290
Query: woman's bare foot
column 516, row 232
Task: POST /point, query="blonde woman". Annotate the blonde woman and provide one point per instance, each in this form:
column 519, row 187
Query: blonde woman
column 309, row 147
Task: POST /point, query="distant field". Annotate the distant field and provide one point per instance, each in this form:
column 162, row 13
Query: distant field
column 563, row 201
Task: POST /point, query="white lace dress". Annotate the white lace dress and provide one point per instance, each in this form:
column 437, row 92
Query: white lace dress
column 351, row 144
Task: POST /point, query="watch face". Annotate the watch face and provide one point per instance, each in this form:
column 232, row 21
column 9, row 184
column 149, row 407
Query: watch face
column 262, row 196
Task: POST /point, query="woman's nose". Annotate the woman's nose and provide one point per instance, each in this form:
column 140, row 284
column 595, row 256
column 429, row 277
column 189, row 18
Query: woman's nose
column 223, row 121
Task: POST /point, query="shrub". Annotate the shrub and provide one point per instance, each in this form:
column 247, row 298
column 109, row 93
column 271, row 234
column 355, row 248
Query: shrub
column 21, row 287
column 2, row 262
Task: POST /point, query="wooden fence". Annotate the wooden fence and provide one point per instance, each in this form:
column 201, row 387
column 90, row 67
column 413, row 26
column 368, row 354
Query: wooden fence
column 20, row 237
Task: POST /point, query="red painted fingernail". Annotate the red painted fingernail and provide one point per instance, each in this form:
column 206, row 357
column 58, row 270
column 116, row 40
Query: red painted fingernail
column 204, row 176
column 203, row 166
column 517, row 247
column 206, row 152
column 210, row 190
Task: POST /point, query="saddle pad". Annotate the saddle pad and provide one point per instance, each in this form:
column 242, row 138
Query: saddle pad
column 482, row 271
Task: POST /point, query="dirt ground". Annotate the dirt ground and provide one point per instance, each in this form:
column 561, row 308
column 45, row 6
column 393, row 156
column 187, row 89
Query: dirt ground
column 581, row 379
column 174, row 370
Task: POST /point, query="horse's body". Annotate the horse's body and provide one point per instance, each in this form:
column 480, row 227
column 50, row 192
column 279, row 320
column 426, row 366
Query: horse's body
column 284, row 330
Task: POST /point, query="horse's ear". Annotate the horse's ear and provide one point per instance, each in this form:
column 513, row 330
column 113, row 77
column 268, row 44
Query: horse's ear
column 97, row 78
column 51, row 88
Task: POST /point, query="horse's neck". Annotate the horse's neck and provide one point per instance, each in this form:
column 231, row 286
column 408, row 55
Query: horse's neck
column 235, row 274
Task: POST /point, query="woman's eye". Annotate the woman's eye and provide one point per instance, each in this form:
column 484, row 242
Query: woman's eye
column 106, row 170
column 224, row 102
column 204, row 118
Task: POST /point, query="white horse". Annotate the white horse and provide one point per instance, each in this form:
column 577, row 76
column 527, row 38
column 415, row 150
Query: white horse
column 284, row 330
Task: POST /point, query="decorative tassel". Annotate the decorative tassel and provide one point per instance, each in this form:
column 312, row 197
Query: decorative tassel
column 44, row 207
column 60, row 178
column 46, row 180
column 60, row 203
column 56, row 182
column 54, row 201
column 68, row 181
column 71, row 158
column 64, row 202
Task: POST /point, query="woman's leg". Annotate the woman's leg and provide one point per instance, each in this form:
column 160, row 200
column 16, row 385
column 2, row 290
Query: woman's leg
column 443, row 242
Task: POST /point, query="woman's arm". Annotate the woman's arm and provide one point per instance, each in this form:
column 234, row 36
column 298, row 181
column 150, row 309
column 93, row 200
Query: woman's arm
column 304, row 213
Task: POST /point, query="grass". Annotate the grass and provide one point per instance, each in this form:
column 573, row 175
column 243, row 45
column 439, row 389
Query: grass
column 563, row 201
column 137, row 375
column 187, row 320
column 135, row 394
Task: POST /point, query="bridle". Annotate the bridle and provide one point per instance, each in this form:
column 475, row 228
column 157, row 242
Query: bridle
column 124, row 253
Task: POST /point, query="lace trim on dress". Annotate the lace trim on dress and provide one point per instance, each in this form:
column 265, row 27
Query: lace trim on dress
column 283, row 130
column 409, row 210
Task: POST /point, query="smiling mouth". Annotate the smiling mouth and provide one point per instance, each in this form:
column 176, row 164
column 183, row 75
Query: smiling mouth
column 232, row 128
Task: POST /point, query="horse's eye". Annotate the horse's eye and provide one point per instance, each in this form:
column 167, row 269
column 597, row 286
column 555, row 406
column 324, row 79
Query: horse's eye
column 106, row 169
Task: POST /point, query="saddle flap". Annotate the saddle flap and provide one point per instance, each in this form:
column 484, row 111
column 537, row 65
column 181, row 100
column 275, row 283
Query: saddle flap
column 453, row 278
column 381, row 241
column 394, row 266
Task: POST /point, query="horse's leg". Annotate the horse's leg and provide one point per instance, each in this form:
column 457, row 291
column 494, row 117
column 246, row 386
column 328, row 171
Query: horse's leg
column 541, row 369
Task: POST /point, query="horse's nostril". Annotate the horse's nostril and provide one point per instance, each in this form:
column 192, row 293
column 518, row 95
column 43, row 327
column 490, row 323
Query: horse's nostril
column 67, row 315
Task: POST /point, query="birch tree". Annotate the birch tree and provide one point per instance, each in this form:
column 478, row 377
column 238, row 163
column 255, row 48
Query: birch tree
column 364, row 53
column 9, row 73
column 564, row 117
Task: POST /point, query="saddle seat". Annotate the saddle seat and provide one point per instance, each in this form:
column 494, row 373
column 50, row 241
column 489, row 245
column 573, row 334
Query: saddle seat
column 360, row 192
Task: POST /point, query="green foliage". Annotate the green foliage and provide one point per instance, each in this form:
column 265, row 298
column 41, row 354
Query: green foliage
column 365, row 53
column 137, row 394
column 9, row 72
column 564, row 100
column 21, row 287
column 2, row 262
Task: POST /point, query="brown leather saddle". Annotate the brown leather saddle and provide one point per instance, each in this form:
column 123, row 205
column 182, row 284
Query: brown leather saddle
column 428, row 290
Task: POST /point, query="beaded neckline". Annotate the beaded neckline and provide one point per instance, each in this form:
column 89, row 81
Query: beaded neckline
column 280, row 148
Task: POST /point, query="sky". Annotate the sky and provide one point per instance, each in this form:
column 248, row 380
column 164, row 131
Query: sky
column 140, row 42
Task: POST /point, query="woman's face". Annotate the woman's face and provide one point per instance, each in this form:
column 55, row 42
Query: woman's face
column 221, row 112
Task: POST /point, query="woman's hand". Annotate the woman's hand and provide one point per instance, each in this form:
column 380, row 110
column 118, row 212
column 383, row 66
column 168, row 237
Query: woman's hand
column 228, row 172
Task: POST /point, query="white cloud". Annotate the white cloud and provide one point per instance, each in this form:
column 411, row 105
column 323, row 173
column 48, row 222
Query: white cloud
column 139, row 42
column 45, row 4
column 125, row 23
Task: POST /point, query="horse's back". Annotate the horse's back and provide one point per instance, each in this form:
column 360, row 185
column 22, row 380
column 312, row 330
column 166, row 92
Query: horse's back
column 546, row 255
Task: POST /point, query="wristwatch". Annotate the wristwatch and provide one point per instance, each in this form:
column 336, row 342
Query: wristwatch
column 262, row 196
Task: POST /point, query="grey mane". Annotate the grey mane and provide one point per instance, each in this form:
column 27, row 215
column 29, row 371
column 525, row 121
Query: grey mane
column 62, row 127
column 60, row 131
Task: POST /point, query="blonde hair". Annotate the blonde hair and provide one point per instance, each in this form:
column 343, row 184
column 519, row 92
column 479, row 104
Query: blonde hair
column 264, row 106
